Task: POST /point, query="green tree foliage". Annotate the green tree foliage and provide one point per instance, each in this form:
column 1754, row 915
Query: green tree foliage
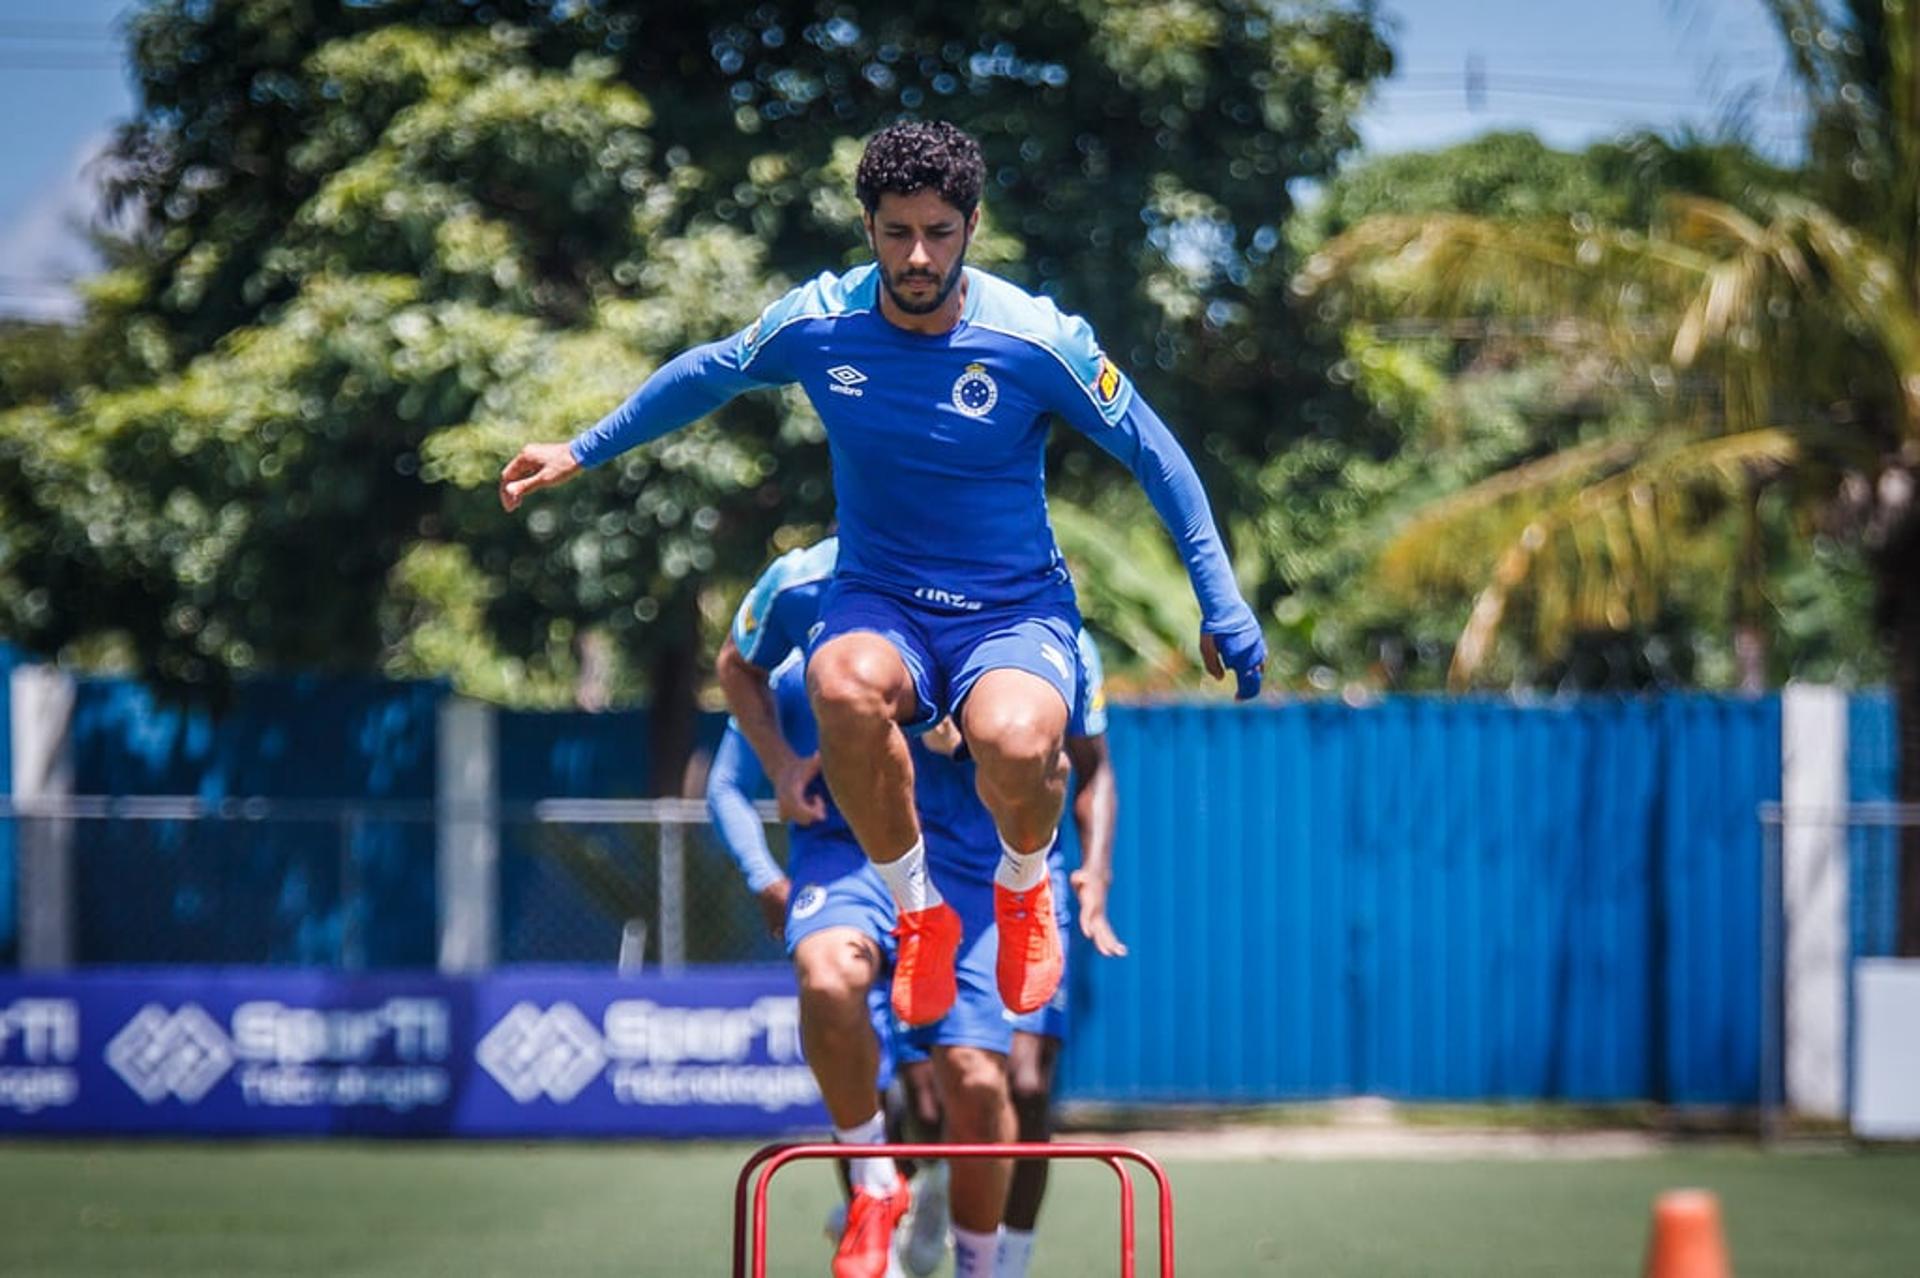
column 1783, row 339
column 382, row 244
column 1462, row 395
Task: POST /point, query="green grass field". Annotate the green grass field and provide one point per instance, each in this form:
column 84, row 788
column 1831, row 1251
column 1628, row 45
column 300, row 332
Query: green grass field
column 476, row 1210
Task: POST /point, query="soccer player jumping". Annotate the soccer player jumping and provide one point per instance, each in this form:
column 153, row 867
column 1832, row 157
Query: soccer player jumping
column 937, row 382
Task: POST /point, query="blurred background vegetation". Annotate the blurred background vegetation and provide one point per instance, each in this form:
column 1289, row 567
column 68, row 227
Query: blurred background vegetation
column 1496, row 416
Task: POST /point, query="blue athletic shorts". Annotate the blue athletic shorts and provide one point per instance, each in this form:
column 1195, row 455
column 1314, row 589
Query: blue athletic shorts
column 856, row 898
column 946, row 652
column 978, row 1018
column 1051, row 1020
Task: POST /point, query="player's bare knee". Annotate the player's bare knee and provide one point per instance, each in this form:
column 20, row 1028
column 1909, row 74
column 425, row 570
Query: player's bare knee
column 832, row 978
column 1027, row 1083
column 852, row 685
column 978, row 1096
column 1015, row 740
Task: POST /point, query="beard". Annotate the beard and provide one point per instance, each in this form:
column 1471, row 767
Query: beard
column 919, row 277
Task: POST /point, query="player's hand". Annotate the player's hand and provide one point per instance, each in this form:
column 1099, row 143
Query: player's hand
column 773, row 907
column 1090, row 894
column 1241, row 649
column 790, row 792
column 535, row 467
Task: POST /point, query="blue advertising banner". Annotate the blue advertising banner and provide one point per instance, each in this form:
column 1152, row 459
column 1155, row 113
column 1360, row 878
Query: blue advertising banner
column 259, row 1052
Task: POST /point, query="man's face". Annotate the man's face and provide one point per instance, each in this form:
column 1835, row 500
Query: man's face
column 920, row 242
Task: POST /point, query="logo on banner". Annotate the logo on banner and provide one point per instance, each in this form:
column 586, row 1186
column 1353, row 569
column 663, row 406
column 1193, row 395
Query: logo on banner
column 39, row 1047
column 653, row 1054
column 389, row 1057
column 180, row 1054
column 532, row 1053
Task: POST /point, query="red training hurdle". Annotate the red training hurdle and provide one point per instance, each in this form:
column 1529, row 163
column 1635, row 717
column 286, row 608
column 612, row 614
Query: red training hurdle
column 774, row 1157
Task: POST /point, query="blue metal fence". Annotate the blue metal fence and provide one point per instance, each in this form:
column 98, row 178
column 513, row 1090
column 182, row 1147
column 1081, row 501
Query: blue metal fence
column 1873, row 852
column 1424, row 898
column 1433, row 899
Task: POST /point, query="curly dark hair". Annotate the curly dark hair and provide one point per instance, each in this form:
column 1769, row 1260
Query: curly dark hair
column 921, row 156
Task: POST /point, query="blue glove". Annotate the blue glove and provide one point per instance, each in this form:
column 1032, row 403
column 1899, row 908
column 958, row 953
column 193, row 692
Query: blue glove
column 1243, row 650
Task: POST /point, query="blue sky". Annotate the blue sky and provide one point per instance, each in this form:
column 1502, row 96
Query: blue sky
column 1571, row 72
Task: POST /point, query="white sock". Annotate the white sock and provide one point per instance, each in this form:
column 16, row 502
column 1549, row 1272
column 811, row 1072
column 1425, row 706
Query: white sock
column 975, row 1255
column 1019, row 871
column 873, row 1174
column 1016, row 1253
column 908, row 880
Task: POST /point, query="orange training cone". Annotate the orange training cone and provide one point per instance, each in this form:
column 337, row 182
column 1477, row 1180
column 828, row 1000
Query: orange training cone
column 1687, row 1242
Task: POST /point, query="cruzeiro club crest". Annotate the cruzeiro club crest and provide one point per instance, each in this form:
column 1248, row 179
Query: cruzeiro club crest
column 974, row 392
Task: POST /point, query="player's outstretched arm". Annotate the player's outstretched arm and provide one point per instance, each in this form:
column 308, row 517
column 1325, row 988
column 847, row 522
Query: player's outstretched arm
column 1096, row 805
column 1132, row 432
column 731, row 783
column 684, row 389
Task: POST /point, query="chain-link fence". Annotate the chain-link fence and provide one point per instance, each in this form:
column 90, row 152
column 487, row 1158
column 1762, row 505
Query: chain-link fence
column 643, row 881
column 1831, row 896
column 359, row 885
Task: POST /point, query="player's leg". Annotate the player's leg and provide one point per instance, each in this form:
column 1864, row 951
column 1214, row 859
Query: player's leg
column 862, row 692
column 969, row 1046
column 836, row 929
column 867, row 674
column 835, row 968
column 973, row 1092
column 891, row 1101
column 1015, row 723
column 1032, row 1066
column 924, row 1233
column 1030, row 1072
column 922, row 1119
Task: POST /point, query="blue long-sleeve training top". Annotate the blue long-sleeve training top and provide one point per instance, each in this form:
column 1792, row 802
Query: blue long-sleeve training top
column 938, row 442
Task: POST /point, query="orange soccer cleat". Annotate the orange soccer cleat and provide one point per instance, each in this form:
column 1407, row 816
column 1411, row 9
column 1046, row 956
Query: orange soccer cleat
column 866, row 1245
column 1030, row 961
column 923, row 984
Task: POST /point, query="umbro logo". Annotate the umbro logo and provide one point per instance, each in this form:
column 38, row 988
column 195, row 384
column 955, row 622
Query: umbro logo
column 846, row 380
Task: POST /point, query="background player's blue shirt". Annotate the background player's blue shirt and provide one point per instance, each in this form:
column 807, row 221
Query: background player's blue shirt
column 822, row 850
column 960, row 417
column 770, row 631
column 774, row 618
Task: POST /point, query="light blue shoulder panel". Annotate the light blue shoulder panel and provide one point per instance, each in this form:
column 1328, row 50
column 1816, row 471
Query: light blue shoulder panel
column 1007, row 308
column 803, row 567
column 825, row 296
